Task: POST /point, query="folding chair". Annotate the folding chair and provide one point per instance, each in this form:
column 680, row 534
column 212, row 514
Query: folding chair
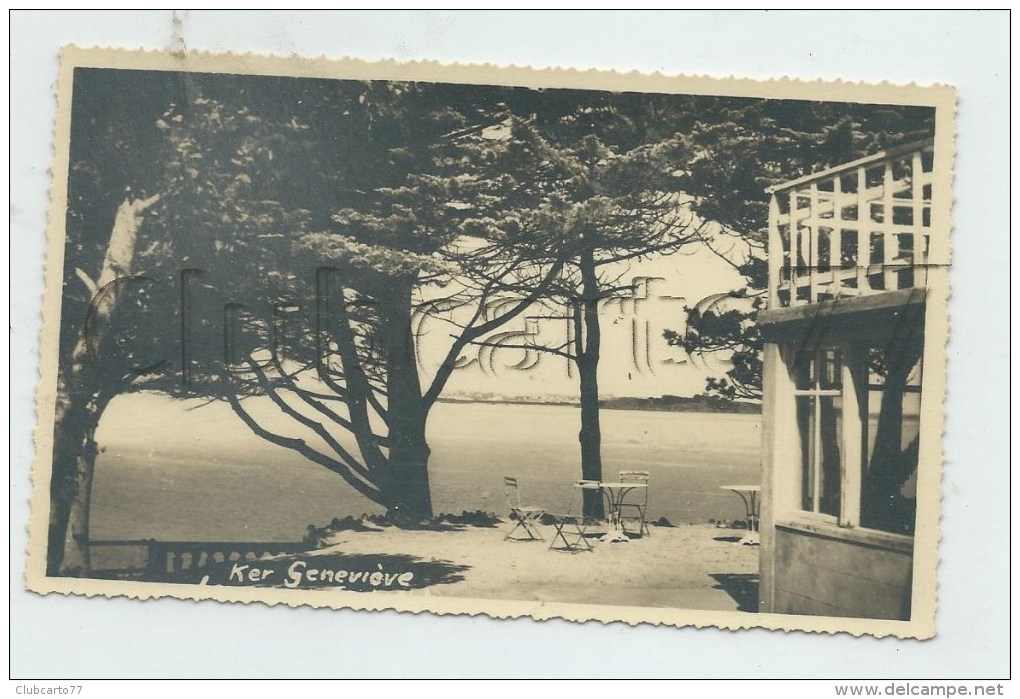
column 634, row 504
column 527, row 517
column 572, row 530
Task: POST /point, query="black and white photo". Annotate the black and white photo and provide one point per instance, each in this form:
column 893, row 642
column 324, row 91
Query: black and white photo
column 500, row 341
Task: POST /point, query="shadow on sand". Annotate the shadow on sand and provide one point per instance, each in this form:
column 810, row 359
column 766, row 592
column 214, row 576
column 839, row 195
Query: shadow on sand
column 445, row 522
column 433, row 526
column 742, row 587
column 727, row 539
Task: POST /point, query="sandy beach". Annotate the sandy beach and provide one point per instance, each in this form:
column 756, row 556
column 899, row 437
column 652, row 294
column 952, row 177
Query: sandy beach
column 222, row 483
column 686, row 567
column 225, row 484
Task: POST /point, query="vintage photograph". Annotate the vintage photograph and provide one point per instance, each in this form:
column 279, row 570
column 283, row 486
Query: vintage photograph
column 520, row 343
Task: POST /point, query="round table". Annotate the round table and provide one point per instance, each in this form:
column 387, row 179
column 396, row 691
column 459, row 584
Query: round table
column 749, row 494
column 614, row 493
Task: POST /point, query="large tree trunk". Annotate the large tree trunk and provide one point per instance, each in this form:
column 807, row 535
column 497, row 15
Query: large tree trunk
column 891, row 465
column 406, row 481
column 83, row 391
column 75, row 423
column 407, row 491
column 590, row 435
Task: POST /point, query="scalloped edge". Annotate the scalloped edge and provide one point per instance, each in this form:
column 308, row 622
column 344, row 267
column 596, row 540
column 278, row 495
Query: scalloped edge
column 925, row 593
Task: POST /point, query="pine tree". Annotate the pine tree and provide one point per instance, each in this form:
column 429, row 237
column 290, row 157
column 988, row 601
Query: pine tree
column 738, row 149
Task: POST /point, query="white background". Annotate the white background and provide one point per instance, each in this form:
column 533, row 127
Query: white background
column 75, row 637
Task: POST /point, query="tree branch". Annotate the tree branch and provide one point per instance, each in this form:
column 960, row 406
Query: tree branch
column 299, row 445
column 311, row 398
column 472, row 333
column 311, row 424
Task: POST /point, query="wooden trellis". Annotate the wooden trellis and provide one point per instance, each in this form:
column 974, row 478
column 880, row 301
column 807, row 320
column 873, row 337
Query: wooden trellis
column 853, row 230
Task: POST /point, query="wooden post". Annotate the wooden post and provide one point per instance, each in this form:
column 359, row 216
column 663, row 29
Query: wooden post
column 794, row 252
column 855, row 425
column 781, row 459
column 770, row 452
column 774, row 254
column 920, row 258
column 836, row 240
column 863, row 232
column 890, row 244
column 813, row 235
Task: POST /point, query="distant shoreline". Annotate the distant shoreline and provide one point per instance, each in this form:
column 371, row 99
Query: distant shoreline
column 673, row 404
column 666, row 403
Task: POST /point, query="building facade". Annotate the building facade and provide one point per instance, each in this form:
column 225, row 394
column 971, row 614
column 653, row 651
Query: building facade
column 857, row 259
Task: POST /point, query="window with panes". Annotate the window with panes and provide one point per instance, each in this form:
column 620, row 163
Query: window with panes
column 819, row 399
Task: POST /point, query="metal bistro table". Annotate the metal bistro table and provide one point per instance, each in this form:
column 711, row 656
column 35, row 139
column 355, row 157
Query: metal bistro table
column 749, row 494
column 614, row 493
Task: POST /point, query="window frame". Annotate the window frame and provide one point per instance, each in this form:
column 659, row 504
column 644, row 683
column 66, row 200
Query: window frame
column 853, row 380
column 853, row 390
column 815, row 460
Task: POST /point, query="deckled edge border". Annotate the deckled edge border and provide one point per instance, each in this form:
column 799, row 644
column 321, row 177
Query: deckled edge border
column 925, row 582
